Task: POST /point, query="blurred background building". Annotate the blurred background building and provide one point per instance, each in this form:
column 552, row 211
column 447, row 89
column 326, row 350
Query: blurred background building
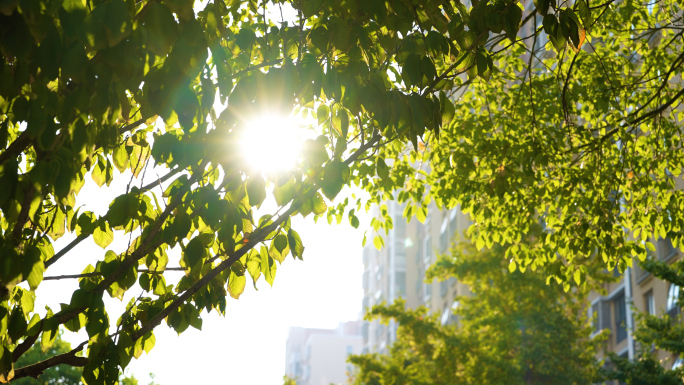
column 319, row 356
column 398, row 271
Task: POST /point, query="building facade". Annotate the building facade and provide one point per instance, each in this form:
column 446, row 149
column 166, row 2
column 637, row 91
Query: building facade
column 635, row 291
column 398, row 269
column 319, row 356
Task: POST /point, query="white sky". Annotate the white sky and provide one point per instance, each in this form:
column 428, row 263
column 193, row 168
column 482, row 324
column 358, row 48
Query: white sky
column 248, row 345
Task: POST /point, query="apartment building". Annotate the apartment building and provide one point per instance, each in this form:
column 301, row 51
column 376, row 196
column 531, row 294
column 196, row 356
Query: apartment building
column 635, row 291
column 398, row 270
column 319, row 356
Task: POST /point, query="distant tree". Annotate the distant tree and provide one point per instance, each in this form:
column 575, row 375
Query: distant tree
column 60, row 374
column 516, row 329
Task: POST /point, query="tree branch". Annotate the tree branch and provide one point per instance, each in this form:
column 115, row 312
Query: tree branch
column 69, row 358
column 65, row 250
column 97, row 273
column 17, row 147
column 255, row 239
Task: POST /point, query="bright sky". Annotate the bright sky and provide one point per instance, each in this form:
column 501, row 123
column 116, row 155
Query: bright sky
column 248, row 345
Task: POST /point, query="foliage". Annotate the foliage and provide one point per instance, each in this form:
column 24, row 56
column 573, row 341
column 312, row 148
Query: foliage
column 60, row 374
column 663, row 333
column 587, row 141
column 515, row 329
column 100, row 88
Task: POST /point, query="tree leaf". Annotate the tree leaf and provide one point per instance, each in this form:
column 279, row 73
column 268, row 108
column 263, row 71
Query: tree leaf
column 295, row 243
column 103, row 235
column 236, row 284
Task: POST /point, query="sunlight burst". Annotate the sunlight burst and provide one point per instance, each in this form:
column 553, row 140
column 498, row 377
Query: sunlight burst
column 272, row 143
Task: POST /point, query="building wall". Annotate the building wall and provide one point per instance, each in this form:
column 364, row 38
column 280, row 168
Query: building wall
column 398, row 270
column 643, row 293
column 319, row 356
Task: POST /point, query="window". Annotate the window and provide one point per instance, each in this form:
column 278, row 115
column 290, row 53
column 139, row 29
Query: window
column 649, row 303
column 620, row 309
column 427, row 291
column 452, row 221
column 446, row 315
column 599, row 313
column 400, row 281
column 594, row 314
column 673, row 299
column 443, row 288
column 427, row 250
column 444, row 236
column 350, row 349
column 665, row 249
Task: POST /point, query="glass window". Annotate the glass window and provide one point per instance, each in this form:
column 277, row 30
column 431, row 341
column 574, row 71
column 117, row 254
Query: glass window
column 444, row 236
column 649, row 303
column 594, row 314
column 400, row 281
column 672, row 297
column 427, row 291
column 620, row 309
column 427, row 250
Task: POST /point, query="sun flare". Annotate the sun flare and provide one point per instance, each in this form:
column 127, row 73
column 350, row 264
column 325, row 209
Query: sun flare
column 272, row 143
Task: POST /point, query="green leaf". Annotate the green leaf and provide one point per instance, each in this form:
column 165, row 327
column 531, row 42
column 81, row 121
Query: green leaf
column 447, row 108
column 33, row 269
column 117, row 21
column 236, row 284
column 314, row 151
column 245, row 38
column 193, row 253
column 427, row 67
column 98, row 174
column 256, row 190
column 103, row 235
column 120, row 158
column 378, row 242
column 295, row 243
column 161, row 28
column 280, row 242
column 318, row 205
column 335, row 175
column 340, row 121
column 284, row 193
column 268, row 266
column 149, row 340
column 512, row 266
column 322, row 114
column 411, row 72
column 512, row 19
column 16, row 327
column 254, row 266
column 382, row 169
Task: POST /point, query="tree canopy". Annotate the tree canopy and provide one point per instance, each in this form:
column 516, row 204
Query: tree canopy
column 513, row 329
column 94, row 88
